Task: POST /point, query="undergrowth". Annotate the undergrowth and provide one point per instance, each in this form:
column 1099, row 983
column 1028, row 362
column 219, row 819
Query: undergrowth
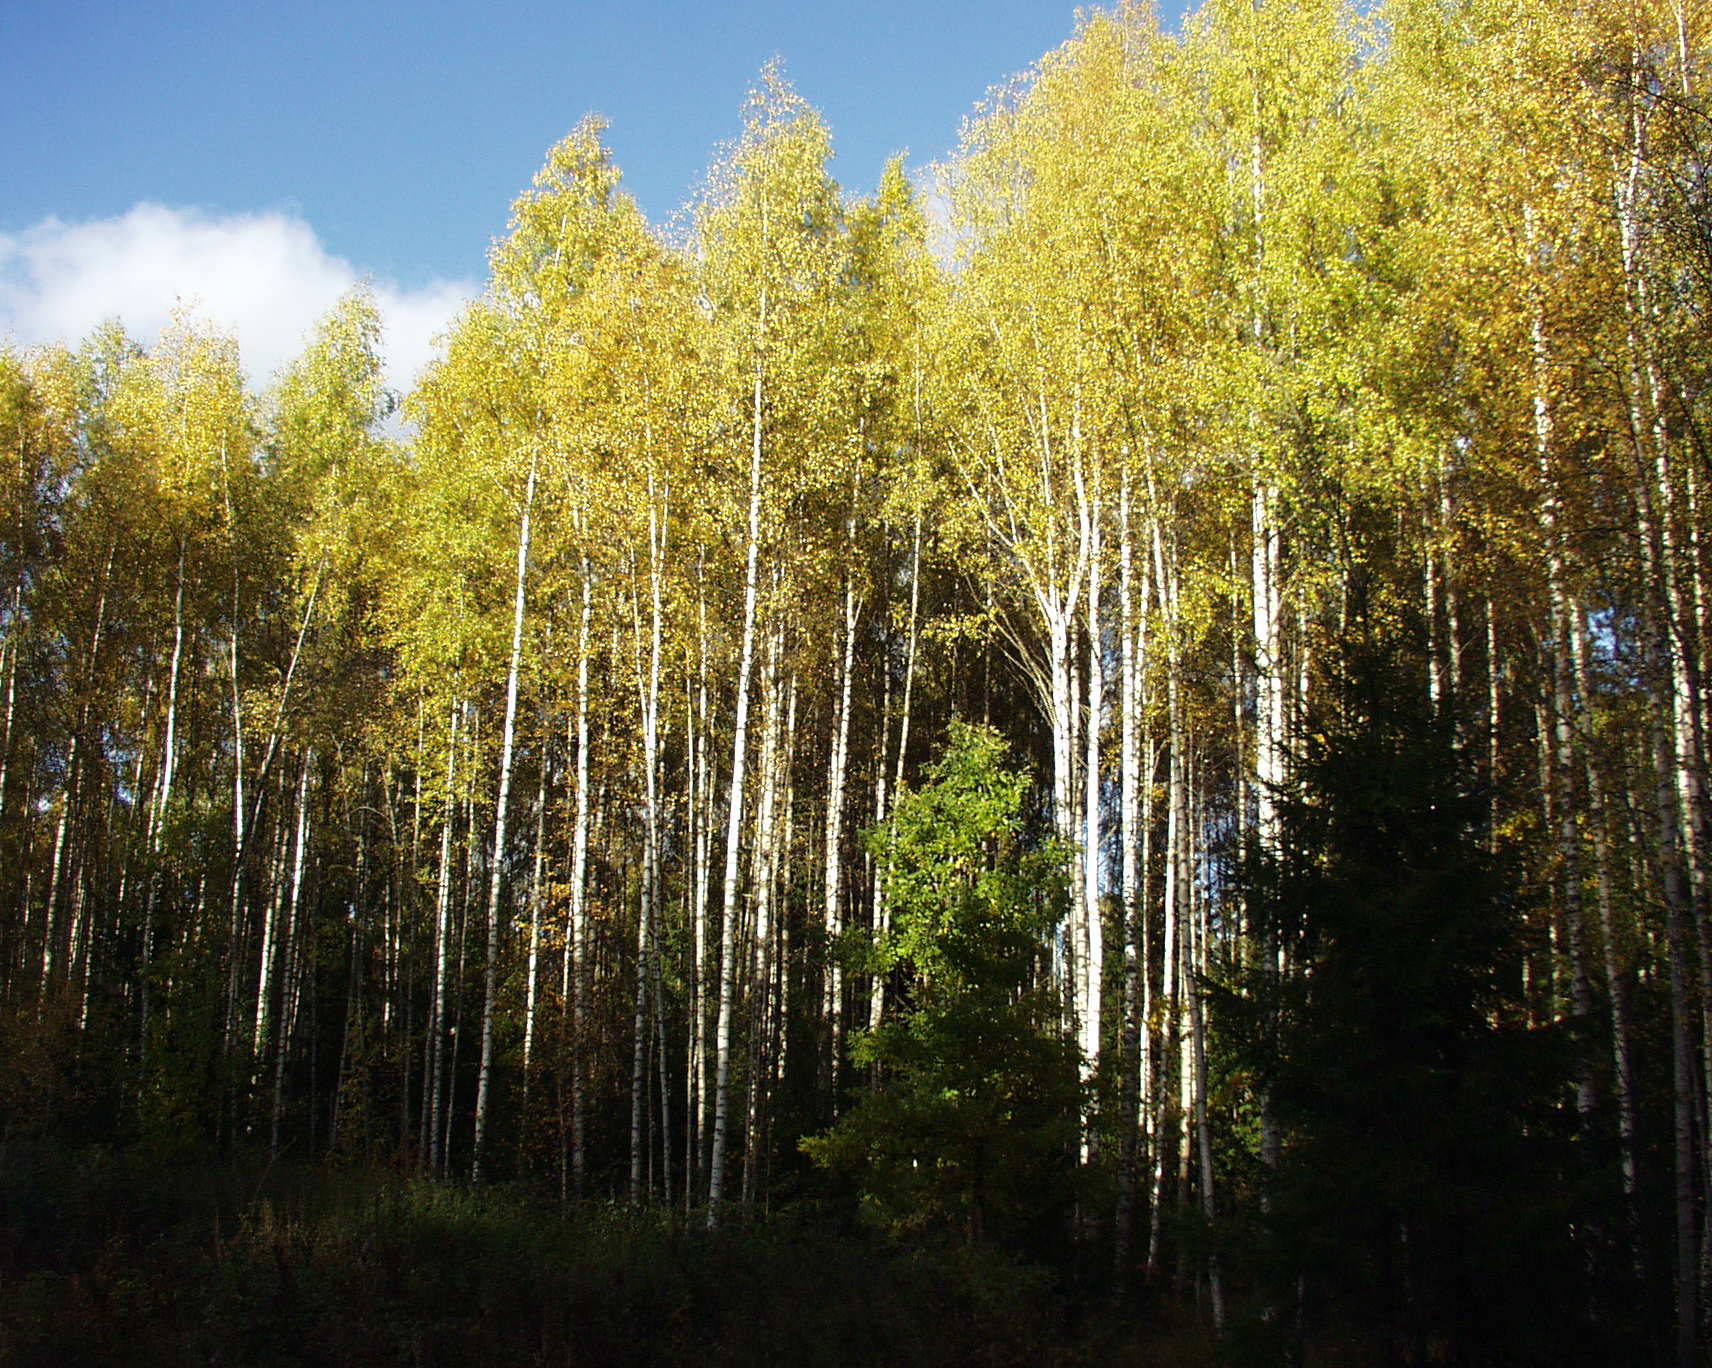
column 114, row 1257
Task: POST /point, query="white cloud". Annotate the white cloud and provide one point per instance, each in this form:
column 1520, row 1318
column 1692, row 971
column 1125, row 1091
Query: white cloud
column 943, row 239
column 264, row 276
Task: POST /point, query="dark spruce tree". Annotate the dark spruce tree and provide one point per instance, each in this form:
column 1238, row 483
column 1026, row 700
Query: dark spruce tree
column 1422, row 1207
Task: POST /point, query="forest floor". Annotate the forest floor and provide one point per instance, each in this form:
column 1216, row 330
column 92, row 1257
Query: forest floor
column 121, row 1258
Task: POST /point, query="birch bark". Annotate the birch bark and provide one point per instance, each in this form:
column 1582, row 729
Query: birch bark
column 502, row 804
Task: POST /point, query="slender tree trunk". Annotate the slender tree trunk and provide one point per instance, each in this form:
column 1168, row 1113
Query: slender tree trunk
column 496, row 871
column 1617, row 975
column 1196, row 949
column 575, row 987
column 1492, row 719
column 412, row 880
column 784, row 846
column 234, row 949
column 465, row 892
column 51, row 920
column 734, row 821
column 1268, row 662
column 158, row 816
column 289, row 954
column 1447, row 568
column 647, row 964
column 1132, row 635
column 764, row 876
column 660, row 1053
column 1562, row 768
column 75, row 765
column 351, row 1084
column 269, row 974
column 696, row 1121
column 1676, row 795
column 882, row 913
column 639, row 1053
column 9, row 665
column 265, row 955
column 432, row 1133
column 1091, row 955
column 1184, row 1137
column 1677, row 911
column 1175, row 820
column 537, row 902
column 836, row 769
column 1063, row 779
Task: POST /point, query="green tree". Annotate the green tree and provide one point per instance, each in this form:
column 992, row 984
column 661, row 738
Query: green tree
column 1420, row 1170
column 972, row 1122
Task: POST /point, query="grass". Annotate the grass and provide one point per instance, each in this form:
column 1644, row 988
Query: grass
column 117, row 1257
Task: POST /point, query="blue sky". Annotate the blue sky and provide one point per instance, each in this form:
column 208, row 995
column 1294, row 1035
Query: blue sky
column 255, row 157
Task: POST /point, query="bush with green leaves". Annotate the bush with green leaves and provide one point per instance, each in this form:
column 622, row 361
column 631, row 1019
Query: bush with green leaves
column 970, row 1124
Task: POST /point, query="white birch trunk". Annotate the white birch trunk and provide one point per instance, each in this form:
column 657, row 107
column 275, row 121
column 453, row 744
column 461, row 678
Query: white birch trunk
column 836, row 769
column 1672, row 814
column 575, row 984
column 764, row 876
column 432, row 1133
column 648, row 685
column 290, row 979
column 268, row 970
column 1132, row 650
column 1561, row 771
column 490, row 986
column 1196, row 947
column 1091, row 950
column 1617, row 976
column 10, row 656
column 1171, row 895
column 157, row 815
column 697, row 1121
column 734, row 822
column 537, row 900
column 1268, row 663
column 882, row 912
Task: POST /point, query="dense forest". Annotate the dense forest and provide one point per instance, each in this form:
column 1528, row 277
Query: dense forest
column 1141, row 705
